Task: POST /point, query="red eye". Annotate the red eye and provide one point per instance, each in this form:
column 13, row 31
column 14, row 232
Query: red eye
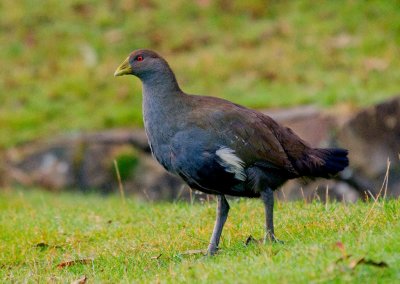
column 139, row 58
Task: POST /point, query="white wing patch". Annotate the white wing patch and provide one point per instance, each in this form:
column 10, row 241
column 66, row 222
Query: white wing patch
column 231, row 162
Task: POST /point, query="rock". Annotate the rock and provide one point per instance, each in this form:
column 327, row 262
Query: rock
column 152, row 182
column 318, row 190
column 317, row 127
column 85, row 161
column 373, row 138
column 310, row 123
column 47, row 165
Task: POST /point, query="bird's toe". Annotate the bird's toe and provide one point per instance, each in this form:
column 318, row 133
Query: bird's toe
column 278, row 241
column 272, row 239
column 212, row 250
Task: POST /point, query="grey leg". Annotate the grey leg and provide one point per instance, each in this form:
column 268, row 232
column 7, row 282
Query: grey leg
column 222, row 215
column 267, row 196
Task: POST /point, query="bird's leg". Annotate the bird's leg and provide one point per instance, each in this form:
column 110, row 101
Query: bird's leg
column 222, row 215
column 267, row 196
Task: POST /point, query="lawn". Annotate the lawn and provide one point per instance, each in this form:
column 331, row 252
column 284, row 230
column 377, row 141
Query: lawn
column 58, row 60
column 58, row 57
column 48, row 237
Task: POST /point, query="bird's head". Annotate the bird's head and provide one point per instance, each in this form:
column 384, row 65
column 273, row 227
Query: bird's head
column 142, row 63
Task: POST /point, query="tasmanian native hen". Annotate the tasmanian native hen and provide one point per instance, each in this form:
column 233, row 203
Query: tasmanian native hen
column 219, row 147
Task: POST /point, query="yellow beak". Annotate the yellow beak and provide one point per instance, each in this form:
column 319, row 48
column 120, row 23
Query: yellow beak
column 124, row 68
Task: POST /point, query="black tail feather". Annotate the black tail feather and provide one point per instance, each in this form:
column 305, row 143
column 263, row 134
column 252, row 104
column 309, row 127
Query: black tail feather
column 324, row 162
column 335, row 160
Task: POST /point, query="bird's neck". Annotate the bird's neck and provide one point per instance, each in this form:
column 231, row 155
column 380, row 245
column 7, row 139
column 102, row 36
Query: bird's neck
column 161, row 85
column 160, row 94
column 162, row 97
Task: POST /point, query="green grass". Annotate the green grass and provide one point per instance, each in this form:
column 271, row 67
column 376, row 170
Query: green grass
column 57, row 57
column 124, row 241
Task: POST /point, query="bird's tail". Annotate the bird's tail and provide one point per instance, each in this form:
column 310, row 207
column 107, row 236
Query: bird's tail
column 324, row 162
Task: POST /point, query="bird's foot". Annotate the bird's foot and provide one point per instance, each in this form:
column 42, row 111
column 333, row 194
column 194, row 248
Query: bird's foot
column 272, row 239
column 212, row 249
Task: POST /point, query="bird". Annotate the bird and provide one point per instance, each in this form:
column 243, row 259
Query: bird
column 219, row 147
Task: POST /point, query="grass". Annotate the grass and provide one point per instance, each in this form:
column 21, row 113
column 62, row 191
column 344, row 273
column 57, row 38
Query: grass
column 57, row 61
column 58, row 57
column 145, row 243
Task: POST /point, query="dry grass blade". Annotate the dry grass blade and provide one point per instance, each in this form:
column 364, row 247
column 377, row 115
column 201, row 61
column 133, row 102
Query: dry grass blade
column 386, row 178
column 44, row 246
column 73, row 262
column 120, row 186
column 284, row 195
column 81, row 280
column 194, row 252
column 342, row 249
column 316, row 195
column 146, row 195
column 157, row 256
column 41, row 245
column 371, row 195
column 181, row 189
column 250, row 240
column 302, row 194
column 191, row 196
column 384, row 186
column 353, row 264
column 326, row 197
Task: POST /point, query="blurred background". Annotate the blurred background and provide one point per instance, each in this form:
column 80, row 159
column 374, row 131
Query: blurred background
column 329, row 69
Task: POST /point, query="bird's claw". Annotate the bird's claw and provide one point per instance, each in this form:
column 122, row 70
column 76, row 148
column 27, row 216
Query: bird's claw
column 212, row 250
column 272, row 239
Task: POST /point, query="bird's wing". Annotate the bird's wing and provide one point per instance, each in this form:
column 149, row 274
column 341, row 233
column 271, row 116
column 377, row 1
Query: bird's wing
column 253, row 136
